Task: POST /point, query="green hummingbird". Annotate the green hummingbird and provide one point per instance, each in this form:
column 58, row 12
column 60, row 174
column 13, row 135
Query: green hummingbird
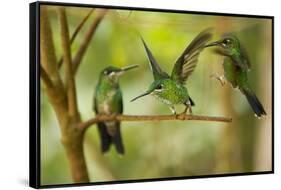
column 236, row 67
column 108, row 100
column 171, row 90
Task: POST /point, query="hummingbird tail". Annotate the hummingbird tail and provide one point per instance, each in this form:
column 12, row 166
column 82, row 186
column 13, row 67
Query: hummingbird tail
column 254, row 102
column 107, row 139
column 104, row 137
column 117, row 141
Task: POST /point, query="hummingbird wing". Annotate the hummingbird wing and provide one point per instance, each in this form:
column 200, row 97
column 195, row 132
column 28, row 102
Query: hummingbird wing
column 103, row 134
column 240, row 58
column 244, row 57
column 241, row 61
column 188, row 60
column 156, row 70
column 111, row 134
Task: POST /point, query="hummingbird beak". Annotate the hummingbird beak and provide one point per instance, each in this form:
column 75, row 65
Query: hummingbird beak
column 124, row 69
column 217, row 43
column 129, row 67
column 144, row 94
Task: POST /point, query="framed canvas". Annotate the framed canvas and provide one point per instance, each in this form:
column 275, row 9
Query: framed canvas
column 131, row 94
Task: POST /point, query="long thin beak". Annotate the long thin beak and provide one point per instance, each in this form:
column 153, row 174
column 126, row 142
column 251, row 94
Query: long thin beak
column 129, row 67
column 213, row 44
column 124, row 69
column 144, row 94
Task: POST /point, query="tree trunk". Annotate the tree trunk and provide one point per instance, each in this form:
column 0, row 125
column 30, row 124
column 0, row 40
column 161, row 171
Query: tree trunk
column 72, row 137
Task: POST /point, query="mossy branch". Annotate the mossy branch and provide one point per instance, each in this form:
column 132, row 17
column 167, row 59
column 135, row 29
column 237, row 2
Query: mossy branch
column 98, row 118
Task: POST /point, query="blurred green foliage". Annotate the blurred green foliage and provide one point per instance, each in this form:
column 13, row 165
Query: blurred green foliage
column 171, row 148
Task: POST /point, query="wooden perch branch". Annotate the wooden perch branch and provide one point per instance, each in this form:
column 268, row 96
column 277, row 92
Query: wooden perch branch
column 86, row 41
column 69, row 77
column 99, row 118
column 76, row 31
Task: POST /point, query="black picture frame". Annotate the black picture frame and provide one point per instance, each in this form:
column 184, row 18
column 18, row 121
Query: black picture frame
column 34, row 92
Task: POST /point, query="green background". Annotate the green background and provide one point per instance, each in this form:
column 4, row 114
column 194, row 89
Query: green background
column 167, row 148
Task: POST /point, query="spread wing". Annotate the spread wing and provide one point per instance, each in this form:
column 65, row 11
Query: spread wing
column 156, row 70
column 187, row 62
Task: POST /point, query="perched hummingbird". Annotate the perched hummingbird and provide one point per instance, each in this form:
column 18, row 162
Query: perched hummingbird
column 108, row 100
column 170, row 89
column 236, row 67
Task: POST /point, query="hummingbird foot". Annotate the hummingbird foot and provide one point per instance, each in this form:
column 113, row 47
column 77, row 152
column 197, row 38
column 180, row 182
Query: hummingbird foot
column 190, row 109
column 221, row 78
column 187, row 107
column 182, row 114
column 172, row 108
column 185, row 110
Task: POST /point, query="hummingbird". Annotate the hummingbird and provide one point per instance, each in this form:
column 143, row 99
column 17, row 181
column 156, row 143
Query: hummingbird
column 236, row 66
column 171, row 90
column 108, row 100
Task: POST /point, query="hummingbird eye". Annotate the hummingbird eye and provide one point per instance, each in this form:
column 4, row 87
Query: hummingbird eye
column 159, row 87
column 106, row 72
column 227, row 42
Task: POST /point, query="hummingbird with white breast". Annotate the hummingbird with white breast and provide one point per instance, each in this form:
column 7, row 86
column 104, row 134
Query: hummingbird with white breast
column 107, row 101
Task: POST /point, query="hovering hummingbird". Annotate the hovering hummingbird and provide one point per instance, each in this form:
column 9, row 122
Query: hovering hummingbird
column 236, row 67
column 108, row 100
column 170, row 89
